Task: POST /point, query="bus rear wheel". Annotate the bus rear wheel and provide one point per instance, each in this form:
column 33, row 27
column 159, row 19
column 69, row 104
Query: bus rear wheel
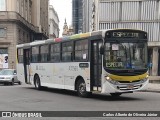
column 37, row 82
column 81, row 89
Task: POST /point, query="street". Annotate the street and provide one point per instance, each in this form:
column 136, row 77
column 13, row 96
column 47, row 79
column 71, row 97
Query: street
column 27, row 98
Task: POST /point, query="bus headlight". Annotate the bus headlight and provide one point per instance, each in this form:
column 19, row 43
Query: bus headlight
column 145, row 79
column 107, row 78
column 147, row 76
column 111, row 81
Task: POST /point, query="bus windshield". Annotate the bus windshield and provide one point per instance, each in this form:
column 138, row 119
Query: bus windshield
column 125, row 55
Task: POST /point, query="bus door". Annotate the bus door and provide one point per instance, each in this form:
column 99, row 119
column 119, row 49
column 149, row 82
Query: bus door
column 96, row 65
column 26, row 65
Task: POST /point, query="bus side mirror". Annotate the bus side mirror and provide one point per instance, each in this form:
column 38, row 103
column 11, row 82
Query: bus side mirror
column 102, row 50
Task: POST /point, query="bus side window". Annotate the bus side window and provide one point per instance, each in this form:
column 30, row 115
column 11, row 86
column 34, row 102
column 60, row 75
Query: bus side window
column 67, row 49
column 44, row 50
column 81, row 50
column 35, row 54
column 55, row 52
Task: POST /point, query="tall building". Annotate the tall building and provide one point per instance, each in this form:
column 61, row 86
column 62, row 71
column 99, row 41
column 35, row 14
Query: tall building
column 77, row 16
column 82, row 15
column 53, row 23
column 21, row 21
column 88, row 8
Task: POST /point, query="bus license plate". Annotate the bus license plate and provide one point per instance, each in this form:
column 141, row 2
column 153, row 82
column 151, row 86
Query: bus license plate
column 130, row 86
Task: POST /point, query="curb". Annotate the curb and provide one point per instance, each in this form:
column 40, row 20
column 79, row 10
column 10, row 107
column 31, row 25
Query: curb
column 156, row 91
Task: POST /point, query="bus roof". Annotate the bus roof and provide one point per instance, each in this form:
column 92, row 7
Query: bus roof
column 72, row 37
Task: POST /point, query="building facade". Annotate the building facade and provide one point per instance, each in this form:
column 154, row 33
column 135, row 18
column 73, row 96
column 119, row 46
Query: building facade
column 21, row 21
column 39, row 15
column 88, row 9
column 53, row 23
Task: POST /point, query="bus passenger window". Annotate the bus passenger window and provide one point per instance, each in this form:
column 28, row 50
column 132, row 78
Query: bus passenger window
column 44, row 53
column 81, row 50
column 55, row 52
column 35, row 54
column 67, row 49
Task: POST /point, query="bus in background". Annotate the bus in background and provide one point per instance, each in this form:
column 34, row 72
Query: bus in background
column 110, row 61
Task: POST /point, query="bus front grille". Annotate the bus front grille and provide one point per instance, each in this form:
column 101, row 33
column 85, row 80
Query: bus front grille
column 129, row 87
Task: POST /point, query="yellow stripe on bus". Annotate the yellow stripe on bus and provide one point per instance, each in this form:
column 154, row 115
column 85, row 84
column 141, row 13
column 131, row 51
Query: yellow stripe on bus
column 128, row 78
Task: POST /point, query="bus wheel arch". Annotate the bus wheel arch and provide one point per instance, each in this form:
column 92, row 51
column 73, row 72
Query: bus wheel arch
column 76, row 81
column 37, row 82
column 80, row 86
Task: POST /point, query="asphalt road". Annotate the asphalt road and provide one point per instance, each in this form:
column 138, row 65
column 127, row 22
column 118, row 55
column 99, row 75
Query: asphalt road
column 26, row 98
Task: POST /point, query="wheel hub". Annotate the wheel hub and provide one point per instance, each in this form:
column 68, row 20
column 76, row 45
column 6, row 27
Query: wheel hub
column 82, row 88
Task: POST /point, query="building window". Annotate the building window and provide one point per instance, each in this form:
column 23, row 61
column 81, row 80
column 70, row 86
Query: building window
column 2, row 32
column 2, row 5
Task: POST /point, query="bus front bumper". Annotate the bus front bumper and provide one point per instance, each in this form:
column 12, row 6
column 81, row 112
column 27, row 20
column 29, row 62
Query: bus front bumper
column 108, row 87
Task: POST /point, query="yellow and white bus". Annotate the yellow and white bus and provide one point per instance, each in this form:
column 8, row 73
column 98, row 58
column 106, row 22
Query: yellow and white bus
column 110, row 61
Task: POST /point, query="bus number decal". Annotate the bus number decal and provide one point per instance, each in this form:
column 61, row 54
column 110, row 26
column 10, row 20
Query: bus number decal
column 40, row 68
column 73, row 68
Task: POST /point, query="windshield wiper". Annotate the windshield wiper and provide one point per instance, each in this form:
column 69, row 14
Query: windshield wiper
column 130, row 55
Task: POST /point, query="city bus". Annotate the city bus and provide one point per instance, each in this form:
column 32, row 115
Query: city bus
column 110, row 61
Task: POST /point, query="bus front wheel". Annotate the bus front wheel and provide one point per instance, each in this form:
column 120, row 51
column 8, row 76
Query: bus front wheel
column 81, row 89
column 37, row 82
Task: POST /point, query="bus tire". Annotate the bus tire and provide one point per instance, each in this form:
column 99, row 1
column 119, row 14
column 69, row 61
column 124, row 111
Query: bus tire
column 81, row 89
column 37, row 82
column 115, row 94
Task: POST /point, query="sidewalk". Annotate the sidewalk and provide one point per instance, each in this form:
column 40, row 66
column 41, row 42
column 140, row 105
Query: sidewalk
column 152, row 87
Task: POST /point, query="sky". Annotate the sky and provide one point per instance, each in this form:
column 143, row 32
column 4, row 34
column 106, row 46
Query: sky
column 64, row 10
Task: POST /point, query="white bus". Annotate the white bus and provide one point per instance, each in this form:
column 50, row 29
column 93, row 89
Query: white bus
column 109, row 61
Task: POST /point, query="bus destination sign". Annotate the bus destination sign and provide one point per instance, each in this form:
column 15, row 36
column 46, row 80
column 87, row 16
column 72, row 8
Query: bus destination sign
column 125, row 34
